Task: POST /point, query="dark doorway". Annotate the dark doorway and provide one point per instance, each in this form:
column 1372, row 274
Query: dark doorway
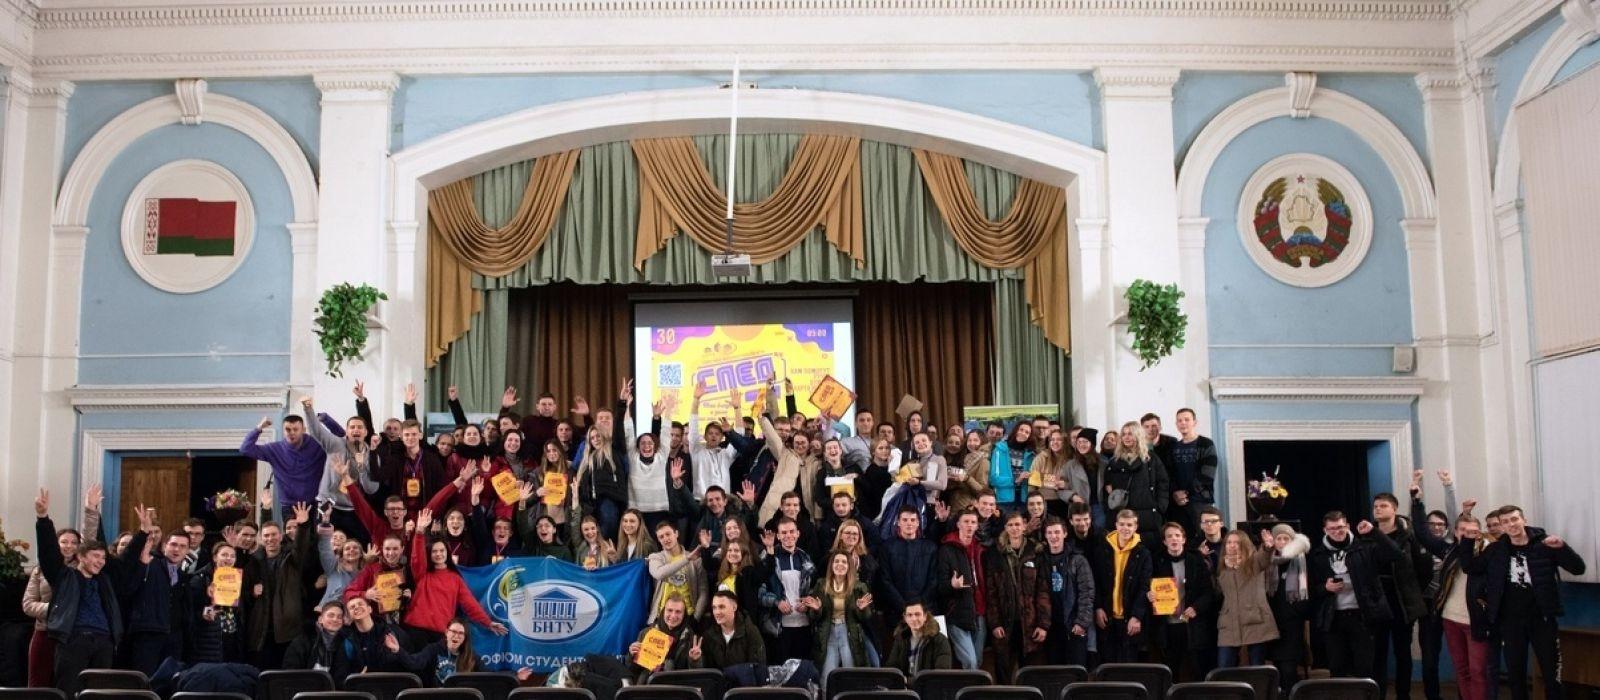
column 210, row 474
column 1321, row 475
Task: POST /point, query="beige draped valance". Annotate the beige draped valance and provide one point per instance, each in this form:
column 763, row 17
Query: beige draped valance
column 1032, row 235
column 821, row 188
column 461, row 244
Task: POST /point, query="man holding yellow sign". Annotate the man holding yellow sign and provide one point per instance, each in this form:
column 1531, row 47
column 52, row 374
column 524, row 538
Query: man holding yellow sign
column 665, row 644
column 1181, row 593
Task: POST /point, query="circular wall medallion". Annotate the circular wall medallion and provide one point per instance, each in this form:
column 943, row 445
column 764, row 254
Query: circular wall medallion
column 187, row 226
column 1305, row 220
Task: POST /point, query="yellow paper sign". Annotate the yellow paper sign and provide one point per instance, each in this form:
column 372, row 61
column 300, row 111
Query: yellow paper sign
column 831, row 397
column 839, row 484
column 1165, row 590
column 555, row 488
column 387, row 584
column 505, row 484
column 226, row 584
column 413, row 488
column 905, row 475
column 1035, row 479
column 653, row 649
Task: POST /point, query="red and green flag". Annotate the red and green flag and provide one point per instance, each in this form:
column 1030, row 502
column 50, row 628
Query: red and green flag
column 188, row 226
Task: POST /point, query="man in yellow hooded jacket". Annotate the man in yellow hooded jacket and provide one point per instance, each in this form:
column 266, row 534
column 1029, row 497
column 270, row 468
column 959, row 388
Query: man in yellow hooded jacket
column 1122, row 586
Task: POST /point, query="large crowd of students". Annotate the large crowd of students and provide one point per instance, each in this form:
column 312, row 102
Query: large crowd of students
column 783, row 537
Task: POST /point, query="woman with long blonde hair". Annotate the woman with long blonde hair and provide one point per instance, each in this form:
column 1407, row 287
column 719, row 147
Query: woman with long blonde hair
column 1245, row 624
column 841, row 606
column 634, row 541
column 1137, row 481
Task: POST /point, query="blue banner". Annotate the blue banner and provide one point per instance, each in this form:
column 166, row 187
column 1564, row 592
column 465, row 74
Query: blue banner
column 556, row 612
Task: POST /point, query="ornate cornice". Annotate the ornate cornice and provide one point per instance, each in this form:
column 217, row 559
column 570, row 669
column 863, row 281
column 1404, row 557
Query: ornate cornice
column 176, row 15
column 664, row 58
column 1136, row 82
column 145, row 397
column 1359, row 389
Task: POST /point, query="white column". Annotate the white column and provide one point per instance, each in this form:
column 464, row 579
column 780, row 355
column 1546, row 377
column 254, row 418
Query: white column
column 1451, row 338
column 351, row 202
column 305, row 356
column 1192, row 278
column 47, row 277
column 1091, row 323
column 14, row 90
column 1143, row 235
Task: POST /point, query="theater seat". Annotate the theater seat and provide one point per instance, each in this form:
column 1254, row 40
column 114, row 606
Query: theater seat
column 844, row 680
column 1106, row 690
column 493, row 685
column 1263, row 678
column 1336, row 689
column 999, row 692
column 552, row 694
column 34, row 694
column 712, row 683
column 280, row 684
column 1156, row 678
column 207, row 695
column 117, row 694
column 767, row 694
column 1212, row 690
column 1051, row 680
column 943, row 685
column 659, row 692
column 441, row 694
column 382, row 685
column 113, row 679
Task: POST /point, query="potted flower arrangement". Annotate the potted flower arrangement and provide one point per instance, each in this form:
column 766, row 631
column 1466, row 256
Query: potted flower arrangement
column 229, row 506
column 1267, row 495
column 13, row 577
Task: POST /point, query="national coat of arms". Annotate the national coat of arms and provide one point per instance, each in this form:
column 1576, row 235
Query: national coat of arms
column 1305, row 220
column 1312, row 211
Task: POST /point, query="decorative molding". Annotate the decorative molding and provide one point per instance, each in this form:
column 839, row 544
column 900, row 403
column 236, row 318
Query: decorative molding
column 68, row 240
column 1237, row 432
column 1401, row 158
column 1136, row 82
column 351, row 88
column 1566, row 41
column 1302, row 85
column 178, row 397
column 1583, row 17
column 774, row 57
column 191, row 93
column 1445, row 85
column 213, row 14
column 77, row 188
column 1192, row 233
column 1507, row 26
column 1296, row 165
column 50, row 92
column 1319, row 389
column 180, row 274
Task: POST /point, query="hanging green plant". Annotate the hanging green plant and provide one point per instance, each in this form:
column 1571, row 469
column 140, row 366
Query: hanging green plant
column 342, row 322
column 1154, row 321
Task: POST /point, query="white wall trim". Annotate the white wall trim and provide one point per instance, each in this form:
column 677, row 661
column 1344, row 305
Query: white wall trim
column 551, row 128
column 1396, row 433
column 94, row 445
column 178, row 397
column 1411, row 176
column 1567, row 40
column 77, row 189
column 1320, row 389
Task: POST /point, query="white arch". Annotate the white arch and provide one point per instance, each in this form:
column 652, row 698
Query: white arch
column 1416, row 188
column 77, row 190
column 1557, row 50
column 551, row 128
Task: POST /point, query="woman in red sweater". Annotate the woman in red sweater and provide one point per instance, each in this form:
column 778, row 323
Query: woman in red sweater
column 439, row 590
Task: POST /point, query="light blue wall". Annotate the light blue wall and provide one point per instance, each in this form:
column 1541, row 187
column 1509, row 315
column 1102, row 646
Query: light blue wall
column 236, row 332
column 1246, row 306
column 1063, row 104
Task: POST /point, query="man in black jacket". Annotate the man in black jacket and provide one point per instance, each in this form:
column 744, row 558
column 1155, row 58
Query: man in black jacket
column 1522, row 592
column 961, row 592
column 158, row 599
column 905, row 565
column 1403, row 592
column 84, row 618
column 1347, row 594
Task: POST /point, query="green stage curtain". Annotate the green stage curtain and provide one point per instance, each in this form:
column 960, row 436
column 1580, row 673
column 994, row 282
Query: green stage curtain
column 593, row 238
column 1028, row 368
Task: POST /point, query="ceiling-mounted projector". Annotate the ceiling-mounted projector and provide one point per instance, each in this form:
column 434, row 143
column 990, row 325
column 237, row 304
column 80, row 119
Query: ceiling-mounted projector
column 730, row 264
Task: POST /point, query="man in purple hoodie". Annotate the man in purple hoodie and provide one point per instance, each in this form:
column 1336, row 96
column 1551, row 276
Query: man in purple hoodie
column 297, row 462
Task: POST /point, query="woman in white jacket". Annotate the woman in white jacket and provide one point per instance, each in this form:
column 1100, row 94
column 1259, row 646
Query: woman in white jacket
column 1290, row 603
column 648, row 477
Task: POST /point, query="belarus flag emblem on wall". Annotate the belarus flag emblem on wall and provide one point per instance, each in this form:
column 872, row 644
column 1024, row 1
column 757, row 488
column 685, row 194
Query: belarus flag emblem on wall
column 188, row 226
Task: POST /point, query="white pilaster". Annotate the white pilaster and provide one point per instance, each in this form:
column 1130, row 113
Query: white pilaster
column 1091, row 322
column 352, row 198
column 13, row 147
column 1192, row 278
column 1461, row 181
column 1141, row 181
column 44, row 352
column 304, row 353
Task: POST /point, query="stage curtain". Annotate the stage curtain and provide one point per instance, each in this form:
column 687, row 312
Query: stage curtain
column 822, row 187
column 587, row 337
column 476, row 363
column 927, row 340
column 1032, row 235
column 460, row 242
column 1028, row 368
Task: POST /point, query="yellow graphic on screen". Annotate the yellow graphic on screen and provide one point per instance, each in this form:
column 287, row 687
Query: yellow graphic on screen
column 742, row 359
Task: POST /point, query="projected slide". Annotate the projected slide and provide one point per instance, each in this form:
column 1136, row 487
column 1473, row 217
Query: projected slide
column 738, row 347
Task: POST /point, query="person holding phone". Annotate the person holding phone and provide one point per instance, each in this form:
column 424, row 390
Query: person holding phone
column 1347, row 596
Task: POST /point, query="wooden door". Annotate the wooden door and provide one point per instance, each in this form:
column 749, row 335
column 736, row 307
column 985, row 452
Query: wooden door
column 157, row 482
